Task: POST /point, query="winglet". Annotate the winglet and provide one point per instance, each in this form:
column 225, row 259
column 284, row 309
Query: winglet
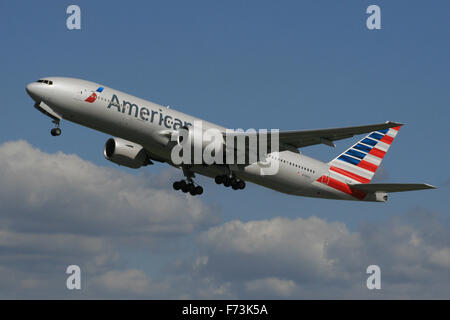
column 393, row 124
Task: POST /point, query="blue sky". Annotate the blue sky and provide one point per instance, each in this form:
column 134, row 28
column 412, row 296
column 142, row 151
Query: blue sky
column 249, row 64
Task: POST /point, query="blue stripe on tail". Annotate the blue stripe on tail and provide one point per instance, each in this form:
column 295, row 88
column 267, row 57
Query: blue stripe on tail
column 369, row 142
column 362, row 147
column 375, row 135
column 349, row 159
column 355, row 153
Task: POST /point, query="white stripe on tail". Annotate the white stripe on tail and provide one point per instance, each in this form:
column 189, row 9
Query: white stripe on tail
column 359, row 163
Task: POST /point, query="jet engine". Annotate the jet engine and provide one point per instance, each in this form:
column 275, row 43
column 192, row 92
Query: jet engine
column 125, row 153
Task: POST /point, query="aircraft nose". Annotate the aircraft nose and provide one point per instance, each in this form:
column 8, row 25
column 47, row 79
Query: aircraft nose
column 33, row 91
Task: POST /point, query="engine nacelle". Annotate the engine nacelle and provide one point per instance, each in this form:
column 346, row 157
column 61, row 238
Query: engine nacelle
column 125, row 153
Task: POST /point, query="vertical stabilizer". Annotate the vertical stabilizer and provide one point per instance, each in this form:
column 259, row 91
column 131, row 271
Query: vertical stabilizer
column 359, row 163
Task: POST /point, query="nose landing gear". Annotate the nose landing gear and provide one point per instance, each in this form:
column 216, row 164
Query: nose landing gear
column 56, row 131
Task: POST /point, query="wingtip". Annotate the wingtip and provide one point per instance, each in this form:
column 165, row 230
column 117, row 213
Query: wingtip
column 429, row 186
column 395, row 124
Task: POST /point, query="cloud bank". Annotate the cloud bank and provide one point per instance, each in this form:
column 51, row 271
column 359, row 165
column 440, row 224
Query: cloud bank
column 58, row 209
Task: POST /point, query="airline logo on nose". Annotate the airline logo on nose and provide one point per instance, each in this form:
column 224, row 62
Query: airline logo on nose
column 93, row 96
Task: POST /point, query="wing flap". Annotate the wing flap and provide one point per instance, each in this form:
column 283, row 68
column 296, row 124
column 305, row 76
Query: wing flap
column 391, row 187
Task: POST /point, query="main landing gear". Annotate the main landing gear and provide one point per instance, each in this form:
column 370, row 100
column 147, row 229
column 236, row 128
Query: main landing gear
column 56, row 131
column 188, row 186
column 227, row 181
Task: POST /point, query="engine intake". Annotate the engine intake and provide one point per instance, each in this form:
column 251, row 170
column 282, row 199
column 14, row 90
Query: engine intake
column 125, row 153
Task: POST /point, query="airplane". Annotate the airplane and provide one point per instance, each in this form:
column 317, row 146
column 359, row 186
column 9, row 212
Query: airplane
column 143, row 132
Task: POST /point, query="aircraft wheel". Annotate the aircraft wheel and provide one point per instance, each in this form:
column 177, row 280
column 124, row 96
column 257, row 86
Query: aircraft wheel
column 218, row 179
column 176, row 185
column 192, row 192
column 235, row 186
column 198, row 190
column 55, row 132
column 184, row 186
column 227, row 181
column 241, row 184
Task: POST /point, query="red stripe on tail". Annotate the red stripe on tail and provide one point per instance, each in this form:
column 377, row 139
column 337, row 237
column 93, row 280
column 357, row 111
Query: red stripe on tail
column 387, row 139
column 377, row 153
column 343, row 187
column 367, row 165
column 350, row 174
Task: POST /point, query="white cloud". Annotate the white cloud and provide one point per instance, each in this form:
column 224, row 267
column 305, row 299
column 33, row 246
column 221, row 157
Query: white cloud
column 63, row 193
column 128, row 281
column 58, row 210
column 278, row 247
column 270, row 287
column 440, row 257
column 314, row 258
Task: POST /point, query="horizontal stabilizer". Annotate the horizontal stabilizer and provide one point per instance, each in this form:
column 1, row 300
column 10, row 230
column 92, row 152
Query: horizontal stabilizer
column 391, row 187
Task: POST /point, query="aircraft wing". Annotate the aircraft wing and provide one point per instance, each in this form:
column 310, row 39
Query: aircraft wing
column 391, row 187
column 292, row 140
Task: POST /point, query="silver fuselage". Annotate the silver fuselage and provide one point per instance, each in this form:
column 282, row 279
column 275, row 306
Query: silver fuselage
column 142, row 122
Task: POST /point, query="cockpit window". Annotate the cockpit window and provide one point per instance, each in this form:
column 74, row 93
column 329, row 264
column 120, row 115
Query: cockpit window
column 49, row 82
